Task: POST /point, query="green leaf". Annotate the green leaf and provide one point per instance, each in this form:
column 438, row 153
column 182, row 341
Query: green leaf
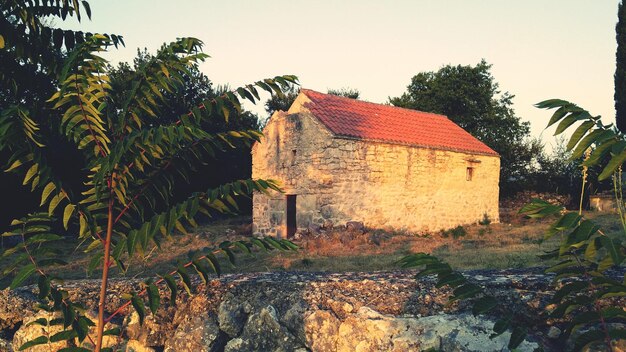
column 242, row 246
column 579, row 133
column 517, row 337
column 40, row 321
column 483, row 305
column 587, row 338
column 137, row 303
column 23, row 274
column 501, row 325
column 131, row 242
column 154, row 299
column 34, row 342
column 184, row 276
column 32, row 171
column 569, row 288
column 63, row 336
column 15, row 165
column 113, row 332
column 230, row 255
column 201, row 270
column 46, row 192
column 43, row 283
column 466, row 291
column 453, row 279
column 214, row 263
column 54, row 202
column 81, row 326
column 615, row 162
column 538, row 208
column 171, row 284
column 613, row 247
column 68, row 313
column 596, row 136
column 67, row 213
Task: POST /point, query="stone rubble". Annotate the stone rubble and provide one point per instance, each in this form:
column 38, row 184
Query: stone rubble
column 301, row 311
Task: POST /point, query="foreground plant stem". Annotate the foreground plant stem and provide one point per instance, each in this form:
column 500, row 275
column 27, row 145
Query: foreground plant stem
column 105, row 277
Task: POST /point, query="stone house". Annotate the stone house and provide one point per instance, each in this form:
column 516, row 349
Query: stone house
column 339, row 159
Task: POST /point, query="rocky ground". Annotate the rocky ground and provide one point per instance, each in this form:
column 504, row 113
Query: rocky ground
column 303, row 311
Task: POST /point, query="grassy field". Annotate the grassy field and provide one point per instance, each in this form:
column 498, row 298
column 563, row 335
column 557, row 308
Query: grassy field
column 512, row 244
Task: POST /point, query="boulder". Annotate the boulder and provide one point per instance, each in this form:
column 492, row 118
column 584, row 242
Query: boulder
column 232, row 316
column 195, row 333
column 263, row 332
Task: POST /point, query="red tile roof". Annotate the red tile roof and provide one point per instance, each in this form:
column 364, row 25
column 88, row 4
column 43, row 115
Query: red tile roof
column 364, row 120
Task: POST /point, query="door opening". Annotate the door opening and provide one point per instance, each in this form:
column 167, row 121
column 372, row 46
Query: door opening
column 291, row 215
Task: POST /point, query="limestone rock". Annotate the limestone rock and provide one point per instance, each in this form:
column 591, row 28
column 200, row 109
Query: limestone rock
column 151, row 333
column 368, row 330
column 5, row 346
column 14, row 306
column 464, row 332
column 263, row 332
column 231, row 316
column 554, row 332
column 322, row 329
column 136, row 346
column 194, row 334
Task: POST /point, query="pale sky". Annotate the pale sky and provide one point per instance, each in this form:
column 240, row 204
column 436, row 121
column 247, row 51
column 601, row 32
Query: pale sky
column 539, row 49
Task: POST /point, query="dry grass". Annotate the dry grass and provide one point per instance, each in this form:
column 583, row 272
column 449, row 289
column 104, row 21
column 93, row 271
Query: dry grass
column 505, row 245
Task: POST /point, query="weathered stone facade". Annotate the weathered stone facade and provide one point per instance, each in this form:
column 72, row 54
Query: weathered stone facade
column 381, row 184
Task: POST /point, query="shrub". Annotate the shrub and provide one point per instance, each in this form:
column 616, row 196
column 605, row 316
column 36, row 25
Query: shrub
column 485, row 220
column 455, row 232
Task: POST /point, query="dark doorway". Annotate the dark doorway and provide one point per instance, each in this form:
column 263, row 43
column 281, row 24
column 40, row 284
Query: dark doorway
column 291, row 215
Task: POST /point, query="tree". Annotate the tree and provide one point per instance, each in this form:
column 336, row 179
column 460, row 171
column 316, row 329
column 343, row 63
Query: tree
column 470, row 97
column 345, row 92
column 620, row 69
column 233, row 163
column 133, row 154
column 282, row 103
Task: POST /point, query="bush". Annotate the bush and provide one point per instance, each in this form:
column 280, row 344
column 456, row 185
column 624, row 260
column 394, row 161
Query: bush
column 456, row 232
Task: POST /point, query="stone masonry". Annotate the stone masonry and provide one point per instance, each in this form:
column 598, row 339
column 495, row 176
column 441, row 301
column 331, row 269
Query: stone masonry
column 384, row 185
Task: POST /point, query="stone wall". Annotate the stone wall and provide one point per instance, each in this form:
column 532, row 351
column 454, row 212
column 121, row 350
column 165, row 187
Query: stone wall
column 380, row 184
column 299, row 311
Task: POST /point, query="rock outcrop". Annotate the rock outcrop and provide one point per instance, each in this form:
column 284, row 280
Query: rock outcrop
column 383, row 311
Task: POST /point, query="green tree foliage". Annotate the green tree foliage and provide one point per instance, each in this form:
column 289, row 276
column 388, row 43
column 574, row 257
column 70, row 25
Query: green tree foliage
column 620, row 69
column 281, row 103
column 233, row 163
column 555, row 172
column 32, row 55
column 345, row 92
column 133, row 155
column 470, row 97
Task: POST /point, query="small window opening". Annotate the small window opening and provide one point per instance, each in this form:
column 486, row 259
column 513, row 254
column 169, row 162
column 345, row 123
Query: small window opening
column 469, row 173
column 293, row 157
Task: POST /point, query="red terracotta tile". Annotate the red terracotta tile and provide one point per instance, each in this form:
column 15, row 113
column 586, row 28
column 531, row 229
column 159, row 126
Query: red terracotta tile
column 364, row 120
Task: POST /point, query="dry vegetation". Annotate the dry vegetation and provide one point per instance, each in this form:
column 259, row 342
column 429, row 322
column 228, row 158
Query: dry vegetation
column 514, row 243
